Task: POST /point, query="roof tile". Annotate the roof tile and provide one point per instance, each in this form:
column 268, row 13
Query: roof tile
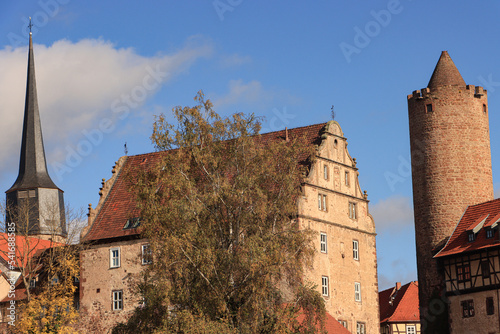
column 120, row 205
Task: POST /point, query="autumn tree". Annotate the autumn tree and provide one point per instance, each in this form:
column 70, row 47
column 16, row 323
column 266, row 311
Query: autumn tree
column 220, row 213
column 44, row 269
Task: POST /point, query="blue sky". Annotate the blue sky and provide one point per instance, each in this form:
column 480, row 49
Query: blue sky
column 104, row 68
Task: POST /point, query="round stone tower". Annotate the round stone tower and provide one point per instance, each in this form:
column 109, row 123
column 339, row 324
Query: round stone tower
column 451, row 168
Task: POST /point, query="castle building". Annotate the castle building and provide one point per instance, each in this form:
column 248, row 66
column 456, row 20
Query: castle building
column 451, row 169
column 35, row 205
column 344, row 267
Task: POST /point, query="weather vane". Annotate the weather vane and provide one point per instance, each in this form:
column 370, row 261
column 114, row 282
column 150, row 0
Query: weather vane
column 30, row 25
column 125, row 148
column 333, row 112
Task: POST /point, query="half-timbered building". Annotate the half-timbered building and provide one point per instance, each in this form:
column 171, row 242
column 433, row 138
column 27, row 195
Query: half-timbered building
column 399, row 313
column 471, row 269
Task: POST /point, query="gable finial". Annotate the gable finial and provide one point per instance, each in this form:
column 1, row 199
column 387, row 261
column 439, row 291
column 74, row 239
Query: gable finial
column 30, row 25
column 333, row 112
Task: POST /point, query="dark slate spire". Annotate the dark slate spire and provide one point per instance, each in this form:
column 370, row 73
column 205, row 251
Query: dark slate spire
column 32, row 165
column 445, row 73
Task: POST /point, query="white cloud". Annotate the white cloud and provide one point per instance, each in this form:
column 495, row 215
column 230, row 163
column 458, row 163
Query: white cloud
column 393, row 212
column 78, row 85
column 243, row 93
column 235, row 60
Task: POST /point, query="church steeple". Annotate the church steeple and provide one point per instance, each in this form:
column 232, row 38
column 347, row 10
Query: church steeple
column 32, row 165
column 34, row 202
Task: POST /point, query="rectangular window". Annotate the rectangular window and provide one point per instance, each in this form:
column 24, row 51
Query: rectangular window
column 490, row 306
column 322, row 202
column 325, row 172
column 324, row 285
column 411, row 329
column 117, row 300
column 343, row 323
column 323, row 242
column 467, row 308
column 355, row 249
column 428, row 107
column 147, row 254
column 357, row 291
column 346, row 177
column 32, row 283
column 485, row 269
column 463, row 273
column 114, row 257
column 360, row 328
column 472, row 236
column 490, row 233
column 352, row 210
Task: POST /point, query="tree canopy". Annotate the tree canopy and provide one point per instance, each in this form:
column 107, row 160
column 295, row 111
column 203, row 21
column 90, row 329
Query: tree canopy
column 220, row 214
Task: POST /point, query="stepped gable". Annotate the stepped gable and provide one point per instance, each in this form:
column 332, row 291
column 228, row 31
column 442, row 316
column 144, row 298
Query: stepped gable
column 472, row 217
column 445, row 73
column 118, row 206
column 404, row 306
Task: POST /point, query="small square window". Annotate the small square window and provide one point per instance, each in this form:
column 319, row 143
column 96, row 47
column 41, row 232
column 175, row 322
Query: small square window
column 114, row 257
column 117, row 300
column 355, row 250
column 490, row 233
column 411, row 329
column 472, row 236
column 147, row 254
column 352, row 210
column 323, row 242
column 324, row 285
column 322, row 202
column 360, row 328
column 428, row 107
column 357, row 291
column 490, row 306
column 463, row 273
column 485, row 269
column 467, row 308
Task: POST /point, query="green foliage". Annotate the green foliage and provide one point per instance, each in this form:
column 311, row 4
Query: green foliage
column 219, row 211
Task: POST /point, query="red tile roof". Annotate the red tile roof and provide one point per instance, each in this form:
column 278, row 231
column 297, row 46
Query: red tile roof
column 332, row 326
column 404, row 306
column 25, row 248
column 473, row 215
column 119, row 205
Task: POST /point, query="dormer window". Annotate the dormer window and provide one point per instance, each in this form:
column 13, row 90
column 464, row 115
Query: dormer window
column 132, row 223
column 490, row 233
column 472, row 236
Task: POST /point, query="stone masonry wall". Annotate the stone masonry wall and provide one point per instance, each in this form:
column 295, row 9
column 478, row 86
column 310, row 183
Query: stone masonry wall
column 451, row 169
column 338, row 262
column 98, row 281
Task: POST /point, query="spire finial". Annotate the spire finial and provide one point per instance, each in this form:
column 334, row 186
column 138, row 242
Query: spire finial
column 30, row 25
